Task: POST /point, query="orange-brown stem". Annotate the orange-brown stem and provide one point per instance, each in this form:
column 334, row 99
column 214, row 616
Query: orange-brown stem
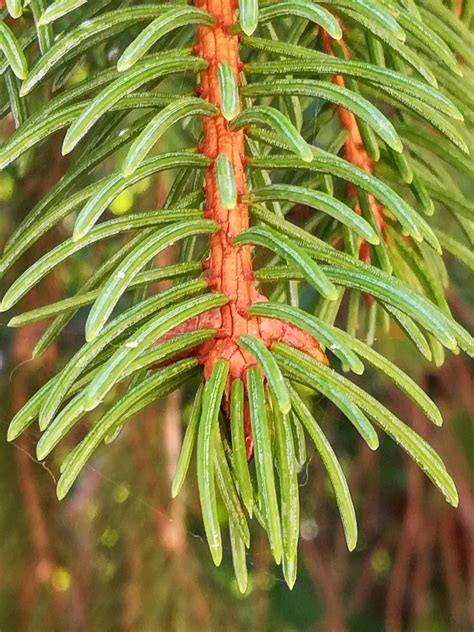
column 229, row 268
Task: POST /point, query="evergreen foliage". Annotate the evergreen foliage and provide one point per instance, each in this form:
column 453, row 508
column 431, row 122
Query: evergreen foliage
column 319, row 145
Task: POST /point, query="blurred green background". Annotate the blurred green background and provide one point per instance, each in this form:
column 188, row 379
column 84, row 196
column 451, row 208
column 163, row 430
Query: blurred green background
column 117, row 554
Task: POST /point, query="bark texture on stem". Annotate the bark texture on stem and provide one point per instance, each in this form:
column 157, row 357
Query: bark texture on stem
column 229, row 267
